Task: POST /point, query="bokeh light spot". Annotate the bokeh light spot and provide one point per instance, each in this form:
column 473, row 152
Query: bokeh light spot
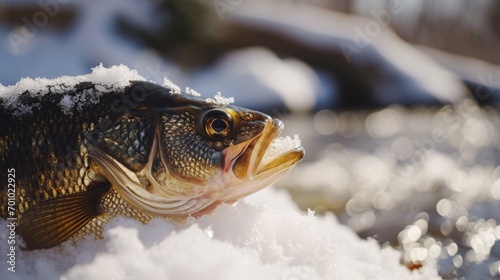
column 326, row 122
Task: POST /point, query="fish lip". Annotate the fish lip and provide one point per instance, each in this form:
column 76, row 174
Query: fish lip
column 247, row 164
column 256, row 168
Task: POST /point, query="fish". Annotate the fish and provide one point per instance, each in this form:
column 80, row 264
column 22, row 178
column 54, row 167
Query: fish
column 76, row 156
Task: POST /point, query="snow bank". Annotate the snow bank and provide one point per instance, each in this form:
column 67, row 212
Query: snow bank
column 241, row 241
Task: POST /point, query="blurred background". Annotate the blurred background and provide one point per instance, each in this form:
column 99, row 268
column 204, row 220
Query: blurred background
column 396, row 101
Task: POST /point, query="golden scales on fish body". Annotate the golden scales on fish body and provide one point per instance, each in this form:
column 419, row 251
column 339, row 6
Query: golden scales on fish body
column 142, row 151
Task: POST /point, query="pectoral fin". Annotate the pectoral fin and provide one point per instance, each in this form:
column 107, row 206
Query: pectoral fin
column 53, row 221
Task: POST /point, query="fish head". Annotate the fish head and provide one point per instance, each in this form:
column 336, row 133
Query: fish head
column 182, row 155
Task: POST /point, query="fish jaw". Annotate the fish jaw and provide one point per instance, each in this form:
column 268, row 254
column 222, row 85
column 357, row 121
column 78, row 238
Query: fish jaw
column 254, row 161
column 250, row 167
column 245, row 166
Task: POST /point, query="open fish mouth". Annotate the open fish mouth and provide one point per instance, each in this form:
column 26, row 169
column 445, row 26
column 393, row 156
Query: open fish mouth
column 259, row 161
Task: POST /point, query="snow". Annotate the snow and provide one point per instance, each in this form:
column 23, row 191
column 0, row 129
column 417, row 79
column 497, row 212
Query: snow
column 283, row 144
column 220, row 100
column 174, row 89
column 192, row 92
column 104, row 79
column 241, row 241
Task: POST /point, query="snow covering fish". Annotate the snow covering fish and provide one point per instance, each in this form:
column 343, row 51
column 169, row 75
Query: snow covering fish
column 78, row 151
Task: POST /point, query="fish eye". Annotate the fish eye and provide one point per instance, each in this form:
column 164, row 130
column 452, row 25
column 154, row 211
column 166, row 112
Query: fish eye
column 218, row 123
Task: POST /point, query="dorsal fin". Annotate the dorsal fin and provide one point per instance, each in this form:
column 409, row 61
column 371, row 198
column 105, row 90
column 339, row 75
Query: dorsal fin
column 53, row 221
